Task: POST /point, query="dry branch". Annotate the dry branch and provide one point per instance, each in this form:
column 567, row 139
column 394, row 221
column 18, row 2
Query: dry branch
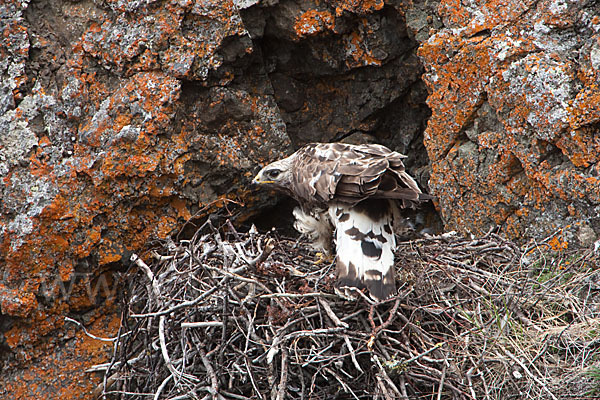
column 229, row 315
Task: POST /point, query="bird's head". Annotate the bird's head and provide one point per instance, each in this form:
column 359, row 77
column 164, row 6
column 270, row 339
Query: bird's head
column 277, row 174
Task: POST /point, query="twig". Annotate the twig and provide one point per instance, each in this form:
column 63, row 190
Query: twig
column 284, row 375
column 345, row 386
column 252, row 380
column 165, row 353
column 154, row 284
column 378, row 329
column 297, row 295
column 202, row 324
column 428, row 378
column 441, row 386
column 269, row 246
column 91, row 335
column 181, row 305
column 469, row 374
column 214, row 381
column 352, row 354
column 163, row 347
column 384, row 376
column 403, row 363
column 162, row 386
column 332, row 315
column 314, row 332
column 528, row 372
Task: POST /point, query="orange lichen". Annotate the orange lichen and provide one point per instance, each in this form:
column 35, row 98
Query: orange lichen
column 585, row 109
column 359, row 52
column 491, row 58
column 582, row 146
column 454, row 13
column 356, row 6
column 558, row 244
column 313, row 22
column 16, row 303
column 61, row 373
column 182, row 209
column 461, row 87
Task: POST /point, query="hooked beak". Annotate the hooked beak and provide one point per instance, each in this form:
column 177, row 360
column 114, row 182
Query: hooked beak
column 257, row 181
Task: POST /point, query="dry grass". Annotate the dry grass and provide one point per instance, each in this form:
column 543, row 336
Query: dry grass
column 235, row 316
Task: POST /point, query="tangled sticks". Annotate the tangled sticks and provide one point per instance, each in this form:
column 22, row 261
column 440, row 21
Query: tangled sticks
column 228, row 315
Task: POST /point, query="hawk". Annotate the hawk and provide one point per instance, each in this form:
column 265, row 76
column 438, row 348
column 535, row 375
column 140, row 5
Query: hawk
column 348, row 193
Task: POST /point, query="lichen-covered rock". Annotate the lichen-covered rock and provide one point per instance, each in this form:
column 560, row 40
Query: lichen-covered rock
column 120, row 120
column 513, row 136
column 123, row 119
column 116, row 129
column 343, row 69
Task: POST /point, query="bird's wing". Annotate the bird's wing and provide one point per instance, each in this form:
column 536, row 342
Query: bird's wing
column 325, row 172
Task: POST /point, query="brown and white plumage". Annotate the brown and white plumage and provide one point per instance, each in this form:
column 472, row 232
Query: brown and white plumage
column 352, row 191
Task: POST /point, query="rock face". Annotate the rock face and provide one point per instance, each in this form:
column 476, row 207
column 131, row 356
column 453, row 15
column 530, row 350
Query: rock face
column 513, row 137
column 120, row 120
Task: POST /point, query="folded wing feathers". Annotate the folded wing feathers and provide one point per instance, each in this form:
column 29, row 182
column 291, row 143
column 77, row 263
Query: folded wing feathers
column 377, row 173
column 351, row 174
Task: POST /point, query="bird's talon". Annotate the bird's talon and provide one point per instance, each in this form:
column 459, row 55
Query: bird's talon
column 322, row 258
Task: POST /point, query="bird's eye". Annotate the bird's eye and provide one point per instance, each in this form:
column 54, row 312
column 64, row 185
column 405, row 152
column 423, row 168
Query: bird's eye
column 273, row 173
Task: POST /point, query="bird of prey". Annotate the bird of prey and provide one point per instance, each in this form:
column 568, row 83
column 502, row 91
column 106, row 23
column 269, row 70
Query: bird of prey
column 352, row 192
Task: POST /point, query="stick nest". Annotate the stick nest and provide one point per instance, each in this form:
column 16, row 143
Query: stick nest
column 229, row 315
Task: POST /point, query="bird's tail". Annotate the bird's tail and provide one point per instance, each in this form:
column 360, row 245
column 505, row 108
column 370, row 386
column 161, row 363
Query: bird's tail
column 365, row 243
